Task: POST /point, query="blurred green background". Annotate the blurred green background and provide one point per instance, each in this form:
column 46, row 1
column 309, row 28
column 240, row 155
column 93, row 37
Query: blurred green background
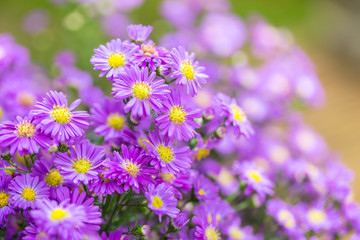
column 328, row 30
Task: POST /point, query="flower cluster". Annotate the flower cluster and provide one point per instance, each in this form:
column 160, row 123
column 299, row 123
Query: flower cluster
column 185, row 148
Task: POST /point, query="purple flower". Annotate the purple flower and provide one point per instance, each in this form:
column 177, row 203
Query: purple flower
column 236, row 117
column 23, row 137
column 25, row 190
column 109, row 119
column 55, row 118
column 144, row 91
column 113, row 58
column 255, row 179
column 165, row 156
column 177, row 120
column 153, row 57
column 206, row 224
column 186, row 71
column 162, row 200
column 83, row 163
column 5, row 209
column 205, row 189
column 180, row 220
column 60, row 220
column 130, row 169
column 139, row 33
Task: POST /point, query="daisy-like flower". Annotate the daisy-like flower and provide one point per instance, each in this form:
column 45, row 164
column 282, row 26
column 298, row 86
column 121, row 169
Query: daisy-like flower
column 113, row 58
column 235, row 115
column 177, row 120
column 60, row 220
column 162, row 200
column 145, row 91
column 139, row 33
column 5, row 209
column 83, row 163
column 130, row 169
column 186, row 71
column 23, row 136
column 109, row 119
column 165, row 156
column 255, row 179
column 55, row 118
column 206, row 224
column 25, row 190
column 205, row 189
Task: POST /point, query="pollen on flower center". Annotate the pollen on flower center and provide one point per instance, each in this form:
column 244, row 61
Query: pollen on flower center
column 141, row 90
column 254, row 175
column 4, row 199
column 187, row 70
column 167, row 177
column 53, row 178
column 1, row 113
column 201, row 192
column 286, row 218
column 25, row 129
column 236, row 233
column 211, row 233
column 316, row 216
column 202, row 153
column 81, row 165
column 58, row 214
column 165, row 153
column 28, row 194
column 60, row 114
column 238, row 113
column 131, row 168
column 149, row 50
column 116, row 121
column 177, row 114
column 27, row 99
column 116, row 60
column 157, row 202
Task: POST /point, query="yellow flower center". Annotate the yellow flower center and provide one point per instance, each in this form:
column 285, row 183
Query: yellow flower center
column 165, row 153
column 201, row 192
column 4, row 199
column 1, row 113
column 53, row 178
column 236, row 233
column 58, row 214
column 316, row 215
column 131, row 168
column 116, row 60
column 141, row 90
column 177, row 114
column 286, row 218
column 26, row 99
column 238, row 113
column 254, row 175
column 167, row 177
column 202, row 153
column 8, row 172
column 60, row 114
column 187, row 70
column 82, row 165
column 116, row 121
column 211, row 233
column 28, row 194
column 157, row 202
column 25, row 129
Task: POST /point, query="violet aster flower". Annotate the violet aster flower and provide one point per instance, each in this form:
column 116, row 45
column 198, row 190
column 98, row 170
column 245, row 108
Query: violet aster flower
column 145, row 92
column 153, row 57
column 255, row 179
column 130, row 169
column 177, row 121
column 162, row 200
column 165, row 156
column 236, row 232
column 109, row 119
column 113, row 58
column 139, row 33
column 23, row 136
column 24, row 190
column 5, row 209
column 205, row 189
column 56, row 118
column 83, row 163
column 236, row 117
column 206, row 225
column 180, row 220
column 60, row 220
column 186, row 71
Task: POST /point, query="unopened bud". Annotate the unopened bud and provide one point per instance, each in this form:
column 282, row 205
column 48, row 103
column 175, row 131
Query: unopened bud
column 53, row 148
column 220, row 132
